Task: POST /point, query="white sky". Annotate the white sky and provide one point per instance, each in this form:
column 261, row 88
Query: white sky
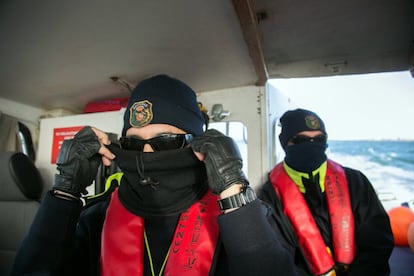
column 371, row 106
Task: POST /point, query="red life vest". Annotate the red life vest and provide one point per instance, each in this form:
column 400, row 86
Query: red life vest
column 191, row 251
column 340, row 212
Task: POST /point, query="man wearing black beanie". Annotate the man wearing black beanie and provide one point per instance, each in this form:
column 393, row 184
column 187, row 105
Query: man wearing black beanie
column 330, row 214
column 181, row 206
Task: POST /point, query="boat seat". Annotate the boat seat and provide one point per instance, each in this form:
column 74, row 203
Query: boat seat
column 21, row 189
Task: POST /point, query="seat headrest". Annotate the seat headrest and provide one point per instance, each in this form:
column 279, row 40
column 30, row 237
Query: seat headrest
column 20, row 179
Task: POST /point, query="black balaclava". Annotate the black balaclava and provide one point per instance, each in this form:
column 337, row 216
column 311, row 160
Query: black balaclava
column 305, row 157
column 160, row 183
column 167, row 182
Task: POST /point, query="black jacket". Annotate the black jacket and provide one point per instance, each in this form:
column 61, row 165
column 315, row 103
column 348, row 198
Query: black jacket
column 373, row 235
column 64, row 239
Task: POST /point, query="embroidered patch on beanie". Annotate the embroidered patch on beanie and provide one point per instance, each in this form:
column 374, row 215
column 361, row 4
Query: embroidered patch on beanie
column 140, row 113
column 312, row 122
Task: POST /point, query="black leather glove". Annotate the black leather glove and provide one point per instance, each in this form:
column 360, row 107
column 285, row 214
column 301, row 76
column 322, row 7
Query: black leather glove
column 78, row 162
column 222, row 159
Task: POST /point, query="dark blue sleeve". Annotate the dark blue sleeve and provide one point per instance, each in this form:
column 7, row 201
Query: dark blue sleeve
column 252, row 247
column 50, row 241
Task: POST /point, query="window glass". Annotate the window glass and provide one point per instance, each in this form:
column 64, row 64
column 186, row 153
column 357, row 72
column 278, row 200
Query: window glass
column 277, row 152
column 238, row 132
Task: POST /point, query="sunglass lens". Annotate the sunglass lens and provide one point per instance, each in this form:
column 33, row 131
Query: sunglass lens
column 164, row 143
column 131, row 143
column 159, row 143
column 169, row 142
column 320, row 139
column 299, row 139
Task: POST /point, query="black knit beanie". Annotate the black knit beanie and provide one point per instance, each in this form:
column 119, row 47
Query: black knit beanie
column 163, row 100
column 298, row 120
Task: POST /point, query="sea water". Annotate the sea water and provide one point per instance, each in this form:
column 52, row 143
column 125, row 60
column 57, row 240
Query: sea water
column 389, row 166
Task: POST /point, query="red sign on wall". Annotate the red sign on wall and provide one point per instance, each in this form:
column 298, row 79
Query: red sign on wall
column 59, row 135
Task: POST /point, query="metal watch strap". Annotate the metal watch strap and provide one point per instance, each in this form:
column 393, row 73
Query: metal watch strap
column 243, row 198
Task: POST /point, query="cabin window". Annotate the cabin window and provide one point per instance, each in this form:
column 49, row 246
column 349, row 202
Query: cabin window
column 368, row 118
column 278, row 153
column 238, row 132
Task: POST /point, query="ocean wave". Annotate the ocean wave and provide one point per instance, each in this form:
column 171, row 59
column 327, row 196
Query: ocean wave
column 388, row 166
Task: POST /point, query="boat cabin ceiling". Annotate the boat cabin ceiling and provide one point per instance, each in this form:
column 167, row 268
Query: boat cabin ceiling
column 64, row 54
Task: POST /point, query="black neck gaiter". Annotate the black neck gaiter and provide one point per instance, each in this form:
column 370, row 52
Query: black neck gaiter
column 305, row 157
column 160, row 183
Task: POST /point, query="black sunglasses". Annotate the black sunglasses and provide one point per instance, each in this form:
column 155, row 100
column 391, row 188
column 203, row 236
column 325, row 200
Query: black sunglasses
column 299, row 139
column 159, row 143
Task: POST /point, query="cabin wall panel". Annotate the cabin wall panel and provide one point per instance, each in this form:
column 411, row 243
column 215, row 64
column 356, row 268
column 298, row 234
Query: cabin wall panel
column 111, row 121
column 244, row 104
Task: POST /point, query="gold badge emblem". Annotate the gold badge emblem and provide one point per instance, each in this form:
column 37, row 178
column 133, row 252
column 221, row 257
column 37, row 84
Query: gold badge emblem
column 312, row 122
column 140, row 113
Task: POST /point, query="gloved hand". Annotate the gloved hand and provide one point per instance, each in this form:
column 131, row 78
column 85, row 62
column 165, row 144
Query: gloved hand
column 222, row 159
column 78, row 162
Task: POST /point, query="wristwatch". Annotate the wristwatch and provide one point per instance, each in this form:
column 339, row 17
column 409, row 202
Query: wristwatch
column 243, row 198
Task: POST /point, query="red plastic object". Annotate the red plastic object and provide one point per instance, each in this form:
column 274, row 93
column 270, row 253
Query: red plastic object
column 106, row 105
